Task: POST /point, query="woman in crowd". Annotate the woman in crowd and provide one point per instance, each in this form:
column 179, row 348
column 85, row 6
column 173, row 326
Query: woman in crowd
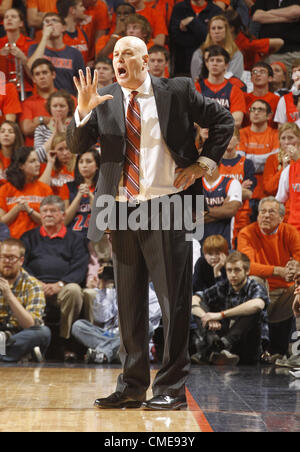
column 81, row 191
column 289, row 135
column 289, row 182
column 61, row 106
column 11, row 139
column 281, row 80
column 219, row 34
column 60, row 164
column 21, row 195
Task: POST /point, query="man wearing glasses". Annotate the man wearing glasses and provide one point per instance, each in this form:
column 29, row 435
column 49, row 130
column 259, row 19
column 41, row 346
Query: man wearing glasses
column 261, row 77
column 66, row 60
column 22, row 304
column 257, row 142
column 273, row 248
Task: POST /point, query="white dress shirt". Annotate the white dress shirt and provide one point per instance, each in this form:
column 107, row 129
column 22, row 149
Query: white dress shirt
column 157, row 167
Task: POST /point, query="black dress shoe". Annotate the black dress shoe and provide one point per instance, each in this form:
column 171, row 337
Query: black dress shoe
column 165, row 402
column 118, row 400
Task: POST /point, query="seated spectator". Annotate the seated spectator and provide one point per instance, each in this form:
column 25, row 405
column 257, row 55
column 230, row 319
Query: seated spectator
column 102, row 337
column 15, row 45
column 21, row 195
column 34, row 107
column 231, row 316
column 95, row 24
column 106, row 73
column 22, row 304
column 155, row 19
column 158, row 61
column 10, row 105
column 11, row 139
column 60, row 165
column 261, row 77
column 210, row 265
column 72, row 11
column 81, row 192
column 257, row 142
column 60, row 106
column 135, row 25
column 188, row 30
column 241, row 168
column 217, row 87
column 288, row 188
column 105, row 44
column 58, row 258
column 139, row 26
column 252, row 49
column 66, row 60
column 281, row 80
column 223, row 196
column 288, row 107
column 272, row 246
column 219, row 34
column 36, row 11
column 289, row 135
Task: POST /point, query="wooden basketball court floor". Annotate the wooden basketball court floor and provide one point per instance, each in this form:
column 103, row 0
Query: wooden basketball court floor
column 59, row 398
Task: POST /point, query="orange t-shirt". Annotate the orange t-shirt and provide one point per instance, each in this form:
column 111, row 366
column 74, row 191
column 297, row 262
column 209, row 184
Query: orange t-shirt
column 156, row 20
column 272, row 100
column 4, row 164
column 268, row 251
column 97, row 18
column 78, row 40
column 33, row 193
column 258, row 146
column 164, row 7
column 253, row 50
column 32, row 107
column 59, row 179
column 10, row 102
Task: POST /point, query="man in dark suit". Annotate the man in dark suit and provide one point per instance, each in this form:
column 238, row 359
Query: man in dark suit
column 167, row 164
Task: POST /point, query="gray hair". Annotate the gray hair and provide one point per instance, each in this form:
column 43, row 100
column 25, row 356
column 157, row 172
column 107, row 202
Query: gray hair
column 272, row 199
column 53, row 199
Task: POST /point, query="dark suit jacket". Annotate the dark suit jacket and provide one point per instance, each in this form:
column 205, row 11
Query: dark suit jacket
column 179, row 106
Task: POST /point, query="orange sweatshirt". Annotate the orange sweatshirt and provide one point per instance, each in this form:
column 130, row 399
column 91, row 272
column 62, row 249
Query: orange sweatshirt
column 268, row 251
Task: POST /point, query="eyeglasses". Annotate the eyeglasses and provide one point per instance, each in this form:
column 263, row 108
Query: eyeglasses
column 257, row 109
column 12, row 259
column 259, row 72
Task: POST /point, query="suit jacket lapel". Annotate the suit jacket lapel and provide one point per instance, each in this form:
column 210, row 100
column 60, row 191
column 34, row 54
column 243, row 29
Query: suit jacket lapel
column 163, row 99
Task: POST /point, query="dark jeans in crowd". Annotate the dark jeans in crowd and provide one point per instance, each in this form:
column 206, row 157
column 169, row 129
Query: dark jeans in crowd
column 242, row 333
column 23, row 343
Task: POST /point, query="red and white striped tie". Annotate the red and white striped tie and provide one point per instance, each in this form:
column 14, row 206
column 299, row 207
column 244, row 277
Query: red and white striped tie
column 131, row 178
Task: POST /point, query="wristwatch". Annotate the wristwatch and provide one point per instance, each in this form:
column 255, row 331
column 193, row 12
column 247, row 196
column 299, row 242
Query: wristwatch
column 204, row 166
column 61, row 284
column 41, row 119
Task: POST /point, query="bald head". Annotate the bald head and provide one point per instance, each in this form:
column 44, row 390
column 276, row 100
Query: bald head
column 130, row 61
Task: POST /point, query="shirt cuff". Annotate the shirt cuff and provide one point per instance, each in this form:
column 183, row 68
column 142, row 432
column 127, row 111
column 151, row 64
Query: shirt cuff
column 209, row 163
column 81, row 122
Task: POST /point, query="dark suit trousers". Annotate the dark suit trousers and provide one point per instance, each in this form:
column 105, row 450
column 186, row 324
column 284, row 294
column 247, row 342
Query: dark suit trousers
column 164, row 257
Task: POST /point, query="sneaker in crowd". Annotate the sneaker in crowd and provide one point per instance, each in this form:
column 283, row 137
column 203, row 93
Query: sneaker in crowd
column 224, row 358
column 92, row 356
column 37, row 355
column 295, row 374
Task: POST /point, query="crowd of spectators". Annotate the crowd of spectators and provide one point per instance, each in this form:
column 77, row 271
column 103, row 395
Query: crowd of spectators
column 244, row 54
